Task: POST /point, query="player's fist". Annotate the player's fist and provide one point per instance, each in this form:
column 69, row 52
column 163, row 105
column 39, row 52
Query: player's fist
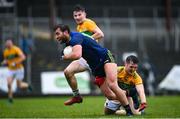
column 13, row 64
column 4, row 63
column 142, row 106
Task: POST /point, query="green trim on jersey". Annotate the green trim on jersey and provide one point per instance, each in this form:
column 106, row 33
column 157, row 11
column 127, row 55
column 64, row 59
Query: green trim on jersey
column 125, row 86
column 87, row 35
column 111, row 57
column 11, row 56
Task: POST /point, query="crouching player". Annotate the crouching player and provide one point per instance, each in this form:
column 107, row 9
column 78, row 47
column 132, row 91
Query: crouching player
column 132, row 84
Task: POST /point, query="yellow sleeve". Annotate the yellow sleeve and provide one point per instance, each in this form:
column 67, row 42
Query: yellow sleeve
column 120, row 68
column 4, row 54
column 138, row 79
column 90, row 25
column 19, row 51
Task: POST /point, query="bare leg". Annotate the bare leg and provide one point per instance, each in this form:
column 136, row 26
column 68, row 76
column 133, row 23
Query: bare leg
column 131, row 104
column 10, row 93
column 107, row 91
column 111, row 77
column 22, row 85
column 73, row 67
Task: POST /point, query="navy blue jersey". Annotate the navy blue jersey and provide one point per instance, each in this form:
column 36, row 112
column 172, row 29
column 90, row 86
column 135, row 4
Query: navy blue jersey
column 92, row 52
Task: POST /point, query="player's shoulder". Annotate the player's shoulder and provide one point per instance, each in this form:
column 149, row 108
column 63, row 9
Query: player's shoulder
column 120, row 68
column 137, row 76
column 16, row 47
column 75, row 36
column 89, row 21
column 5, row 51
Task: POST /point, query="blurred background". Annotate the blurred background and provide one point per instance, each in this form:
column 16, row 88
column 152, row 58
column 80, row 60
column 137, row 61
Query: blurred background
column 149, row 29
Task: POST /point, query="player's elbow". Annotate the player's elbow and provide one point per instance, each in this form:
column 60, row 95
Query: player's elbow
column 102, row 35
column 23, row 57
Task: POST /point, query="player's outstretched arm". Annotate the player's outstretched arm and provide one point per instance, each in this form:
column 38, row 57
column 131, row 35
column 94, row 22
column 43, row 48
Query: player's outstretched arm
column 98, row 34
column 140, row 90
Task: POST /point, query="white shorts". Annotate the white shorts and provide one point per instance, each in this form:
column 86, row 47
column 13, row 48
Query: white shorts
column 16, row 74
column 112, row 105
column 84, row 63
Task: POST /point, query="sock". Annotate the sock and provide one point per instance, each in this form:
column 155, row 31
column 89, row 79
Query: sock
column 128, row 110
column 76, row 93
column 10, row 100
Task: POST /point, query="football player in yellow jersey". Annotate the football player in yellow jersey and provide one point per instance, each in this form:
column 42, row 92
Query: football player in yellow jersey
column 85, row 25
column 88, row 28
column 130, row 81
column 13, row 58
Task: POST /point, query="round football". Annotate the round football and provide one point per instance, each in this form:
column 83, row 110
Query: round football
column 67, row 50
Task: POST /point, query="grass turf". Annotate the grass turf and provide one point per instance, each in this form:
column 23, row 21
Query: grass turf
column 92, row 107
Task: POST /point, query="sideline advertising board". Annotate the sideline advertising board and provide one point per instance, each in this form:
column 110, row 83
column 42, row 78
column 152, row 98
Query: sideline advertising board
column 56, row 83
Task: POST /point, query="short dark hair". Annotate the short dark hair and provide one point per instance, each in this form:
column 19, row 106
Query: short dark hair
column 62, row 27
column 78, row 7
column 132, row 58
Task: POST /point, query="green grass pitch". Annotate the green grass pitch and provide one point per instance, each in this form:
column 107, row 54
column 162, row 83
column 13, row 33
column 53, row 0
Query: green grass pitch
column 92, row 107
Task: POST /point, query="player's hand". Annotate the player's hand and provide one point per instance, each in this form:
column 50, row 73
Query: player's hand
column 4, row 63
column 142, row 106
column 13, row 64
column 61, row 55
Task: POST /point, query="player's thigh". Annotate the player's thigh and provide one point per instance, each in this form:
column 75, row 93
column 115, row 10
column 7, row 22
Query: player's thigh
column 10, row 76
column 75, row 67
column 19, row 74
column 84, row 63
column 111, row 71
column 10, row 80
column 107, row 91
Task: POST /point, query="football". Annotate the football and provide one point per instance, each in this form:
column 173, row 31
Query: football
column 67, row 50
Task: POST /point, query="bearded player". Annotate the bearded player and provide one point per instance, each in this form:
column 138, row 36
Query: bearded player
column 90, row 29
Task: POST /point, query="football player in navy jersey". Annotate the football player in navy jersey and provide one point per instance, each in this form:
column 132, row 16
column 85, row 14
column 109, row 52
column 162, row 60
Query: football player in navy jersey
column 99, row 59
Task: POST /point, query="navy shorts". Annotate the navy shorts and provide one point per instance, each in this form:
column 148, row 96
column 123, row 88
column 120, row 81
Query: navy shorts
column 99, row 70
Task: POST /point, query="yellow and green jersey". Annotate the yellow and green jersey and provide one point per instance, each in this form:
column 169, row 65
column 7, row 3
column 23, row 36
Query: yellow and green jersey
column 87, row 27
column 126, row 80
column 12, row 56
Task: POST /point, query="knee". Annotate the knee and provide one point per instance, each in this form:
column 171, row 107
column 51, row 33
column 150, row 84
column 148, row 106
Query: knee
column 18, row 84
column 112, row 81
column 68, row 73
